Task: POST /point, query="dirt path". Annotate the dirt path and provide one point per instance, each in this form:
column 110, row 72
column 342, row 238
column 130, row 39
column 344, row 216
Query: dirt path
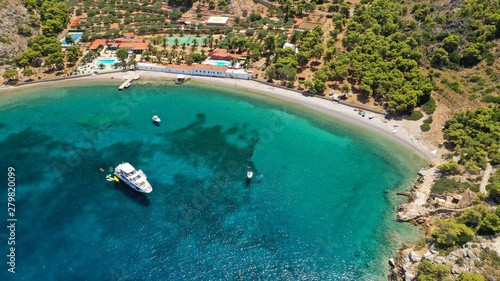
column 486, row 178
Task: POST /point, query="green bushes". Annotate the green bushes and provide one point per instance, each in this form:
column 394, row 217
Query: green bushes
column 425, row 127
column 494, row 192
column 467, row 276
column 489, row 225
column 446, row 185
column 490, row 99
column 430, row 106
column 429, row 272
column 449, row 234
column 475, row 79
column 450, row 168
column 414, row 116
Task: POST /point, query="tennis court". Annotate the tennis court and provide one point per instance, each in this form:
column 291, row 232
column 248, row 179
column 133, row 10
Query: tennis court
column 76, row 36
column 185, row 39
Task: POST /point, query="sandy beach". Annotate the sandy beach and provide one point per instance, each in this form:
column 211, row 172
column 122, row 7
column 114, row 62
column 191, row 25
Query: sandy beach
column 378, row 124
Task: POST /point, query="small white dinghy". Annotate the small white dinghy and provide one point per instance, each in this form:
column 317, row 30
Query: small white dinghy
column 156, row 118
column 249, row 177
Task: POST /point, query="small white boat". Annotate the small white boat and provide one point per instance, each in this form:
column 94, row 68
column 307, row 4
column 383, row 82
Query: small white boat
column 127, row 85
column 249, row 174
column 156, row 118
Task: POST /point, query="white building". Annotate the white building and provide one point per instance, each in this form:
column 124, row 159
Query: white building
column 218, row 20
column 289, row 45
column 199, row 69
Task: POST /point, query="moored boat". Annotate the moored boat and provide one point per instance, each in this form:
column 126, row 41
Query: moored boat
column 181, row 79
column 249, row 177
column 156, row 118
column 136, row 179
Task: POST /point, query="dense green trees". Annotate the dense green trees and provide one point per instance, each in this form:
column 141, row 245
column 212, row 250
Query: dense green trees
column 10, row 74
column 475, row 135
column 73, row 54
column 384, row 60
column 122, row 54
column 53, row 14
column 467, row 276
column 450, row 168
column 449, row 234
column 429, row 272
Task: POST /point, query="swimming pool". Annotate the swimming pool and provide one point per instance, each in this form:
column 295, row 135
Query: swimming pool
column 76, row 36
column 106, row 61
column 220, row 63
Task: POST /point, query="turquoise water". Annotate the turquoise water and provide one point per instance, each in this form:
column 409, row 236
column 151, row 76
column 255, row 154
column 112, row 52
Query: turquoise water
column 316, row 209
column 106, row 61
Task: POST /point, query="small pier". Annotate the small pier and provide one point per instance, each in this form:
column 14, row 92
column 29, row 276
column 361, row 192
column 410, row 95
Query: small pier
column 128, row 81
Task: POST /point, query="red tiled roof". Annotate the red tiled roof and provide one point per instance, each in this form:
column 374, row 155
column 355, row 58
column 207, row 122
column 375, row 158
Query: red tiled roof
column 134, row 46
column 132, row 40
column 97, row 43
column 255, row 72
column 213, row 67
column 179, row 66
column 222, row 53
column 140, row 46
column 298, row 21
column 75, row 21
column 128, row 34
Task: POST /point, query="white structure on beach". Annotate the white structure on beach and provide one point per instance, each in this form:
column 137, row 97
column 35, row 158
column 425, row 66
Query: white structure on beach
column 218, row 20
column 199, row 69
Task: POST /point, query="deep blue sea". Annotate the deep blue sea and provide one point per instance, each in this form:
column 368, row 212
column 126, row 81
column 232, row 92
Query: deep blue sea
column 320, row 205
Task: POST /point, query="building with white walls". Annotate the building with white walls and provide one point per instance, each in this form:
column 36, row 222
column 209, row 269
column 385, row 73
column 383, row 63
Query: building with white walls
column 199, row 69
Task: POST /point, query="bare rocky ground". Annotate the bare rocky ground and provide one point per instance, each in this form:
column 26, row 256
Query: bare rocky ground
column 12, row 13
column 466, row 259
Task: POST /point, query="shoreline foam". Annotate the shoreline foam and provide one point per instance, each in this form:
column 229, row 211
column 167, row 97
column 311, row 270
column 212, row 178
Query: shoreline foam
column 378, row 124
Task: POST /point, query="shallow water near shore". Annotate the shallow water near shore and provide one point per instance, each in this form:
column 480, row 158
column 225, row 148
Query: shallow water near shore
column 319, row 207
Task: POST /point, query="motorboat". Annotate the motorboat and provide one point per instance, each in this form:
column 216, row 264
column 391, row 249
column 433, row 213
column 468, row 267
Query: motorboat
column 136, row 179
column 156, row 119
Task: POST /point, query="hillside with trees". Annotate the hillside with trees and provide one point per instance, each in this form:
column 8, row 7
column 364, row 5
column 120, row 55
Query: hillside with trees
column 17, row 26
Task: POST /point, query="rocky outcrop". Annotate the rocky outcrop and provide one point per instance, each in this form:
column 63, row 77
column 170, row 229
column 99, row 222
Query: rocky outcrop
column 12, row 13
column 465, row 259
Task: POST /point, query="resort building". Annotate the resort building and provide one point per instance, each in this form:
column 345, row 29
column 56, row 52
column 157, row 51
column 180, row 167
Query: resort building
column 222, row 54
column 199, row 69
column 98, row 43
column 132, row 45
column 217, row 20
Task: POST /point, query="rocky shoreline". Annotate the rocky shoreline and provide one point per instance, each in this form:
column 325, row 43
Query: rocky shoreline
column 422, row 209
column 461, row 260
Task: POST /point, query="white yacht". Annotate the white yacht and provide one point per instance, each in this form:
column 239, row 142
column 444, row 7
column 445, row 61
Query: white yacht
column 133, row 178
column 156, row 119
